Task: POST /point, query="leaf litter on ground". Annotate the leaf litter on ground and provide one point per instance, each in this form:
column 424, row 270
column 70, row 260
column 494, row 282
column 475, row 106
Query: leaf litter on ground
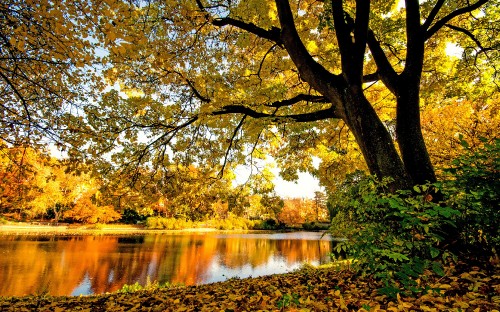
column 463, row 288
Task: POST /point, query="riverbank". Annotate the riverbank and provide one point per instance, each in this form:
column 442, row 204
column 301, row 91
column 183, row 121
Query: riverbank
column 462, row 289
column 100, row 229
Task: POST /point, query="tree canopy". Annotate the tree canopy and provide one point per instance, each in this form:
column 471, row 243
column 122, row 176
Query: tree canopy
column 215, row 82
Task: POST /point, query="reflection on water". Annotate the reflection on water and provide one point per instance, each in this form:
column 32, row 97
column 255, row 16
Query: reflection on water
column 97, row 264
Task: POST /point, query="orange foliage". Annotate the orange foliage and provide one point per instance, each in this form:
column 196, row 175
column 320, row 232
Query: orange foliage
column 300, row 210
column 86, row 211
column 443, row 125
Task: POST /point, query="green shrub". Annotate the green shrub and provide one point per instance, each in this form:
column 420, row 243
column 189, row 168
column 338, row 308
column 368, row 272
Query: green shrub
column 268, row 225
column 474, row 188
column 131, row 288
column 393, row 237
column 131, row 216
column 314, row 226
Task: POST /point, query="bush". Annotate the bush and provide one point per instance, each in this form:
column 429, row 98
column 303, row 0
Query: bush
column 268, row 225
column 232, row 222
column 314, row 226
column 474, row 188
column 150, row 286
column 393, row 237
column 161, row 223
column 131, row 216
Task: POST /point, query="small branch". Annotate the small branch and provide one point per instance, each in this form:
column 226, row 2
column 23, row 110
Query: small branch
column 373, row 77
column 433, row 14
column 273, row 34
column 442, row 22
column 299, row 98
column 384, row 68
column 19, row 95
column 235, row 132
column 470, row 35
column 195, row 91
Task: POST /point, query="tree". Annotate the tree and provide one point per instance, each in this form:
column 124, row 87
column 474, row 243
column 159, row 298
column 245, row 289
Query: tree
column 47, row 50
column 233, row 80
column 250, row 64
column 320, row 200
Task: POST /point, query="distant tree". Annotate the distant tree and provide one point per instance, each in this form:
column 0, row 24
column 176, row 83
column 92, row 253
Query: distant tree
column 320, row 204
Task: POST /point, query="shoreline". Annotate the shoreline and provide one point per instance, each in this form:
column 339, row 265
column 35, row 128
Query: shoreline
column 114, row 229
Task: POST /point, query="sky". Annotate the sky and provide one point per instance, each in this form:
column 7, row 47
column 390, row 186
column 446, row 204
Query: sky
column 303, row 188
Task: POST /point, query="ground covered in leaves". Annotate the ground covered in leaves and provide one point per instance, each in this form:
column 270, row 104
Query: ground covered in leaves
column 464, row 288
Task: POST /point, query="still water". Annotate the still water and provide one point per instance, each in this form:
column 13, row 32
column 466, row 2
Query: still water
column 74, row 265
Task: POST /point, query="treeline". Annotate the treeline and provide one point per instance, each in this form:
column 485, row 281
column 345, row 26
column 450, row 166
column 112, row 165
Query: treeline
column 36, row 186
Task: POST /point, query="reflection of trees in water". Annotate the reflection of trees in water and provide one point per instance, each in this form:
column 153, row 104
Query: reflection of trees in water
column 59, row 265
column 256, row 252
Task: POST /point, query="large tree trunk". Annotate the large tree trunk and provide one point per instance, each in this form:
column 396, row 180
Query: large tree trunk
column 410, row 139
column 374, row 140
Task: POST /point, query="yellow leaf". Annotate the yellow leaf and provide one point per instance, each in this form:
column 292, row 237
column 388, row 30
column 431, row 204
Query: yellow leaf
column 312, row 46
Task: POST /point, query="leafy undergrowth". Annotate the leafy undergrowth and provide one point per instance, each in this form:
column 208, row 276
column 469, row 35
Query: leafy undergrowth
column 464, row 288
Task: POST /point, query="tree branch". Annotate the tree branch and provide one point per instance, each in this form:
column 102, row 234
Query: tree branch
column 384, row 69
column 343, row 34
column 315, row 74
column 19, row 95
column 360, row 38
column 470, row 35
column 273, row 34
column 442, row 22
column 433, row 14
column 196, row 93
column 299, row 98
column 373, row 77
column 235, row 132
column 306, row 117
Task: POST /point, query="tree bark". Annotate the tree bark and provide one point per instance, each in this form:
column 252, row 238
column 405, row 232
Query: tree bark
column 410, row 139
column 374, row 140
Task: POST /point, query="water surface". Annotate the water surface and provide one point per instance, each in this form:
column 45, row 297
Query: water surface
column 74, row 265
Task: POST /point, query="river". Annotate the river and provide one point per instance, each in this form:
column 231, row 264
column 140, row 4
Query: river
column 75, row 265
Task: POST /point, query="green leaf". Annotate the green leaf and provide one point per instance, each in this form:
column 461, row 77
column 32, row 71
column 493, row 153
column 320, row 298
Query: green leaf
column 434, row 252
